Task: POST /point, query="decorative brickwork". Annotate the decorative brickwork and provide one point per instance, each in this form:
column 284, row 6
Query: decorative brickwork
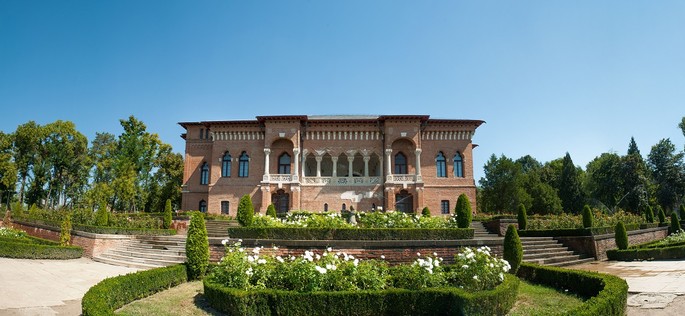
column 317, row 163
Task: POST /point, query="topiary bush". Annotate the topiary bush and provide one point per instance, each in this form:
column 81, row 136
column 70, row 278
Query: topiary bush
column 271, row 211
column 587, row 217
column 65, row 231
column 662, row 215
column 463, row 211
column 682, row 210
column 522, row 217
column 245, row 211
column 166, row 220
column 513, row 250
column 621, row 236
column 675, row 224
column 197, row 247
column 649, row 214
column 102, row 216
column 426, row 212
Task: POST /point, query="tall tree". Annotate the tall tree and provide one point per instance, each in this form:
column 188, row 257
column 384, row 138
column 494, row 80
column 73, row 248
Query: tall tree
column 570, row 191
column 27, row 143
column 503, row 185
column 667, row 171
column 8, row 169
column 544, row 197
column 604, row 179
column 635, row 178
column 66, row 152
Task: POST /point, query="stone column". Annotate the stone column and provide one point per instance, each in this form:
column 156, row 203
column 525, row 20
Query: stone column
column 388, row 165
column 366, row 166
column 267, row 151
column 296, row 172
column 318, row 165
column 349, row 166
column 335, row 166
column 418, row 161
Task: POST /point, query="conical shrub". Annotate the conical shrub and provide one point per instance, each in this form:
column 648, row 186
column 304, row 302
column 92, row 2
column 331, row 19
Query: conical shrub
column 463, row 211
column 621, row 236
column 245, row 211
column 587, row 217
column 197, row 247
column 675, row 224
column 522, row 217
column 513, row 250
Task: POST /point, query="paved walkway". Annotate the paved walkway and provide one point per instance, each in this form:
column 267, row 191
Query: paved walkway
column 654, row 287
column 49, row 287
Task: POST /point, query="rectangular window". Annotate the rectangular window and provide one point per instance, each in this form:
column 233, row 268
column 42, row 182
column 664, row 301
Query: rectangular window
column 224, row 207
column 202, row 133
column 445, row 207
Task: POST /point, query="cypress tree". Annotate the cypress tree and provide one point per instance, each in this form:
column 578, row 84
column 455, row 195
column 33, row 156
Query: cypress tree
column 426, row 212
column 102, row 216
column 167, row 215
column 649, row 214
column 245, row 211
column 682, row 211
column 675, row 224
column 587, row 217
column 197, row 247
column 662, row 215
column 463, row 211
column 513, row 250
column 65, row 230
column 569, row 187
column 621, row 236
column 522, row 217
column 271, row 211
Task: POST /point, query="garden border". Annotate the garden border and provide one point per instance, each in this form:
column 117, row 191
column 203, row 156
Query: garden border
column 606, row 294
column 37, row 248
column 433, row 301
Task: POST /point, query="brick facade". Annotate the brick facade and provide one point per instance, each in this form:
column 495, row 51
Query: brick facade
column 329, row 162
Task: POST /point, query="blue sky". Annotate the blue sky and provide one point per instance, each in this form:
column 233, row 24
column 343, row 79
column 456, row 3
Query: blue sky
column 547, row 76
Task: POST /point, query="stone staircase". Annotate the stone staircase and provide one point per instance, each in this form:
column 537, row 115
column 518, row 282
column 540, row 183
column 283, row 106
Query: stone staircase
column 479, row 231
column 219, row 228
column 146, row 252
column 550, row 252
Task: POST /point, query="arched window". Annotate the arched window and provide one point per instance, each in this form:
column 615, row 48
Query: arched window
column 203, row 206
column 226, row 165
column 284, row 164
column 204, row 173
column 244, row 165
column 440, row 166
column 325, row 207
column 400, row 163
column 458, row 166
column 344, row 207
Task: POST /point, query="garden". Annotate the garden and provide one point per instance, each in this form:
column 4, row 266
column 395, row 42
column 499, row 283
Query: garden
column 257, row 281
column 15, row 243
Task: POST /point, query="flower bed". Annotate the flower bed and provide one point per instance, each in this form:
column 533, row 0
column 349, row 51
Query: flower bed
column 604, row 294
column 671, row 247
column 248, row 283
column 17, row 244
column 112, row 293
column 390, row 219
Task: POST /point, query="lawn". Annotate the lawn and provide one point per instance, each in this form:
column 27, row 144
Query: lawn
column 186, row 299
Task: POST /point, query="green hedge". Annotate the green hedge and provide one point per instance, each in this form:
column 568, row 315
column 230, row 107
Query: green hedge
column 100, row 229
column 582, row 231
column 604, row 294
column 647, row 253
column 434, row 301
column 291, row 233
column 37, row 250
column 112, row 293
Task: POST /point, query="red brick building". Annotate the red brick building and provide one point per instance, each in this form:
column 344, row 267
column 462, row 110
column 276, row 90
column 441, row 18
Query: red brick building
column 319, row 163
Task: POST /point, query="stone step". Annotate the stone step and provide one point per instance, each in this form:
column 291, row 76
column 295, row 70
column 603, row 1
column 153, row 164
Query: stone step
column 545, row 250
column 161, row 242
column 124, row 263
column 150, row 255
column 571, row 262
column 540, row 247
column 162, row 248
column 137, row 260
column 555, row 259
column 135, row 249
column 547, row 255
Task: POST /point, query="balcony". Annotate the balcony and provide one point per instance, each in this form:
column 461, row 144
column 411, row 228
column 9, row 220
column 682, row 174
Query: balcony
column 403, row 178
column 341, row 181
column 279, row 178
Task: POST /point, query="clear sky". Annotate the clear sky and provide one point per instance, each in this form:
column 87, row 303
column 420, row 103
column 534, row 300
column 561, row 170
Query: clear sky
column 547, row 76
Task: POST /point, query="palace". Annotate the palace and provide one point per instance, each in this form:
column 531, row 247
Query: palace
column 329, row 163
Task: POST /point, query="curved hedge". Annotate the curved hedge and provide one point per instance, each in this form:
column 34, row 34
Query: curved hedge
column 100, row 229
column 648, row 251
column 36, row 248
column 296, row 233
column 604, row 294
column 112, row 293
column 433, row 301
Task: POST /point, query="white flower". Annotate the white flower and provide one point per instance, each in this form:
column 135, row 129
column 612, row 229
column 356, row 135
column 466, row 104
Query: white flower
column 331, row 267
column 418, row 254
column 279, row 259
column 475, row 277
column 261, row 261
column 435, row 254
column 250, row 259
column 320, row 269
column 224, row 242
column 318, row 257
column 356, row 262
column 249, row 272
column 329, row 249
column 241, row 249
column 465, row 266
column 382, row 257
column 240, row 240
column 275, row 248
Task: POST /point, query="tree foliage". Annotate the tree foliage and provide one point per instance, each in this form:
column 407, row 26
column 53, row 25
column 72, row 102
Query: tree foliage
column 197, row 247
column 271, row 210
column 513, row 250
column 245, row 211
column 463, row 211
column 522, row 217
column 570, row 190
column 668, row 172
column 502, row 186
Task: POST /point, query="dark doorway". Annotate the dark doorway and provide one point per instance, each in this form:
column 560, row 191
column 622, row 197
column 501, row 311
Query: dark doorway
column 404, row 202
column 281, row 201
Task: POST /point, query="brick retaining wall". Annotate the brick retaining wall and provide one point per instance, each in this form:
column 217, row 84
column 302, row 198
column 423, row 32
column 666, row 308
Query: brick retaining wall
column 597, row 246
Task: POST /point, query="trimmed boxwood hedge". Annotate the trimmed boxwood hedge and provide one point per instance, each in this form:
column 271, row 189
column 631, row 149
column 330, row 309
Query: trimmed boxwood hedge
column 604, row 294
column 655, row 253
column 101, row 229
column 433, row 301
column 112, row 293
column 582, row 231
column 28, row 250
column 293, row 233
